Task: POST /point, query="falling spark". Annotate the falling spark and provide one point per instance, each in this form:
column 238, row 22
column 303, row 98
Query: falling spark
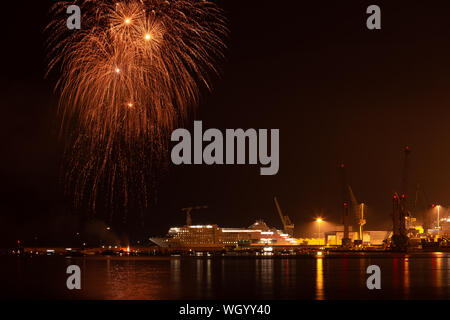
column 116, row 149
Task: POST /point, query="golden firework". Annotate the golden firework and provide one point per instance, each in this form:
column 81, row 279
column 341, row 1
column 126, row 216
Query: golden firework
column 127, row 79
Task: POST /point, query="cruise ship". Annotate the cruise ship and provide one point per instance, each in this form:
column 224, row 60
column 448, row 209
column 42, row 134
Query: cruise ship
column 194, row 236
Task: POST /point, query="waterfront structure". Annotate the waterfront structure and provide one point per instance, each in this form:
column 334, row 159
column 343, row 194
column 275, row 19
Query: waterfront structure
column 334, row 238
column 259, row 233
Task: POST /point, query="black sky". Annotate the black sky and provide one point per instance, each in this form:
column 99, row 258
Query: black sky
column 336, row 90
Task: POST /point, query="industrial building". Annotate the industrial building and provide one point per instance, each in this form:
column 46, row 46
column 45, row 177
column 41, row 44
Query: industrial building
column 369, row 238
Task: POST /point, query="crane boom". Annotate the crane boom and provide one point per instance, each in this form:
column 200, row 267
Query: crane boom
column 346, row 241
column 288, row 226
column 404, row 184
column 355, row 203
column 358, row 211
column 400, row 210
column 279, row 212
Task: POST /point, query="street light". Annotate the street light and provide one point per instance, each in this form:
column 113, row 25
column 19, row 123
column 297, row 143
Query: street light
column 319, row 221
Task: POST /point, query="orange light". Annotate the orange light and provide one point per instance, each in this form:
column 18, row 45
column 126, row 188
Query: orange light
column 148, row 36
column 127, row 21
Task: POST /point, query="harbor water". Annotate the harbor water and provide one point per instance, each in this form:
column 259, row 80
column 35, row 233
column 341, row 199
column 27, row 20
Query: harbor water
column 403, row 276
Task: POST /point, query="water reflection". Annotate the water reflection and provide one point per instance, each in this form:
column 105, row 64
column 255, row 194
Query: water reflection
column 319, row 279
column 222, row 270
column 267, row 274
column 406, row 284
column 437, row 270
column 175, row 274
column 285, row 268
column 344, row 275
column 412, row 276
column 447, row 264
column 395, row 276
column 208, row 277
column 264, row 275
column 129, row 278
column 199, row 268
column 108, row 268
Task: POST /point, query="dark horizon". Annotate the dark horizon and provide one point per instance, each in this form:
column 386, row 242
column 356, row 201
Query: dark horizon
column 339, row 93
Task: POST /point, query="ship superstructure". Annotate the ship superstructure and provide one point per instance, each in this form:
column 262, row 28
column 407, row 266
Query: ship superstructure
column 212, row 235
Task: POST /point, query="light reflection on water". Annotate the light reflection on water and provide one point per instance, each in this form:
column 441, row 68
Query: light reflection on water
column 175, row 274
column 424, row 276
column 406, row 276
column 208, row 277
column 129, row 279
column 438, row 271
column 319, row 279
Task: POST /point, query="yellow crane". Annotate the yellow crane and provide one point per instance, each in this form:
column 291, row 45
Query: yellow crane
column 288, row 226
column 359, row 211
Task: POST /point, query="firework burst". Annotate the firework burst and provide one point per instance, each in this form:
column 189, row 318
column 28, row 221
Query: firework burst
column 127, row 79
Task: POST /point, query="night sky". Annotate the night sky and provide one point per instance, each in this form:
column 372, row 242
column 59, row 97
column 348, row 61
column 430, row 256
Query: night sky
column 337, row 91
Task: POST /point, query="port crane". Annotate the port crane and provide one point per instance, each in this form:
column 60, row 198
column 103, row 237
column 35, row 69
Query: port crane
column 358, row 209
column 288, row 226
column 400, row 211
column 346, row 241
column 350, row 214
column 188, row 213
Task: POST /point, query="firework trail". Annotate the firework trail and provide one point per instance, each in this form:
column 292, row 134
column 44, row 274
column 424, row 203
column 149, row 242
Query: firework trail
column 127, row 79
